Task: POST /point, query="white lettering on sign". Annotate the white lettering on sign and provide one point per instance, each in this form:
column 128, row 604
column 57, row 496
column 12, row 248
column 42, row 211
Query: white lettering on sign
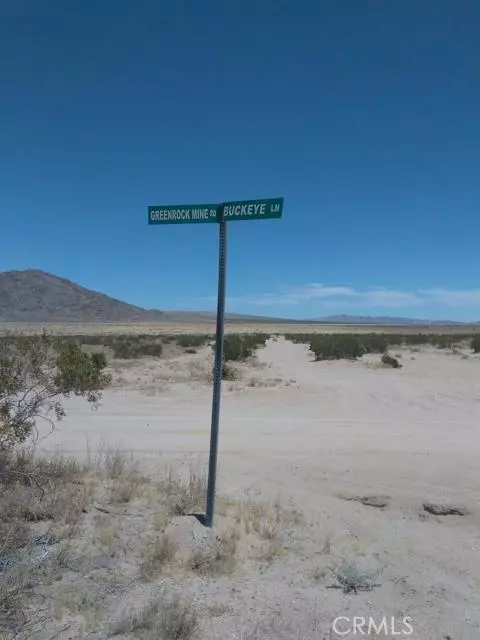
column 199, row 214
column 244, row 210
column 170, row 214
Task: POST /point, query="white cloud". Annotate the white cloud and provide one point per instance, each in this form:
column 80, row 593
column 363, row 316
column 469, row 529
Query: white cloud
column 344, row 297
column 451, row 298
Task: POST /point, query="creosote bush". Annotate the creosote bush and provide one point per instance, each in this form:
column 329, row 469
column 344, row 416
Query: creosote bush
column 353, row 345
column 390, row 361
column 34, row 378
column 334, row 347
column 192, row 340
column 130, row 348
column 239, row 347
column 475, row 344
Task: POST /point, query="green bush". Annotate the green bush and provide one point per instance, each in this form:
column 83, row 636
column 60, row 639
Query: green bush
column 389, row 361
column 235, row 348
column 194, row 340
column 32, row 382
column 336, row 347
column 228, row 372
column 374, row 343
column 127, row 349
column 99, row 359
column 475, row 344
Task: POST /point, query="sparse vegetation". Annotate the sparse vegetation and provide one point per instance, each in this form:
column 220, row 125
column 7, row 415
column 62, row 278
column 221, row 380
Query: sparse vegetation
column 390, row 361
column 335, row 347
column 181, row 496
column 354, row 578
column 163, row 618
column 218, row 556
column 239, row 347
column 156, row 554
column 34, row 378
column 228, row 372
column 350, row 346
column 127, row 349
column 475, row 344
column 192, row 340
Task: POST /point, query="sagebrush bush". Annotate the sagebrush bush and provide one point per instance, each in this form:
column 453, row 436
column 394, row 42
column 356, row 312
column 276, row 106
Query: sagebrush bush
column 352, row 345
column 130, row 348
column 240, row 347
column 390, row 361
column 475, row 344
column 336, row 346
column 33, row 379
column 194, row 340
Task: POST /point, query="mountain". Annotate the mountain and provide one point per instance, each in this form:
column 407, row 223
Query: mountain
column 346, row 319
column 36, row 296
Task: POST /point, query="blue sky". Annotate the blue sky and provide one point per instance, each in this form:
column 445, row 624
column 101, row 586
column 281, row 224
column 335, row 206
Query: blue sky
column 363, row 115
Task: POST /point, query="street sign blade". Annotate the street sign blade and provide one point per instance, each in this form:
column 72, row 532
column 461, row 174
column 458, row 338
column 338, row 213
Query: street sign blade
column 252, row 209
column 183, row 214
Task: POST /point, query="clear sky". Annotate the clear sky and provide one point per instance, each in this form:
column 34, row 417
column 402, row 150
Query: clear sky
column 363, row 115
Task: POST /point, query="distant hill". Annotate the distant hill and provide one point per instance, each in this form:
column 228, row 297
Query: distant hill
column 37, row 296
column 346, row 319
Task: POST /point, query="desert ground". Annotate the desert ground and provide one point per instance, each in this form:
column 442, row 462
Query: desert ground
column 166, row 328
column 328, row 475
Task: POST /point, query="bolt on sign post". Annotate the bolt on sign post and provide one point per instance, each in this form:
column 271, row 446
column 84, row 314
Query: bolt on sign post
column 221, row 214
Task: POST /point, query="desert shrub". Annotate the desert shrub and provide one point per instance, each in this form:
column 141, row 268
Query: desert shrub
column 374, row 343
column 336, row 346
column 394, row 339
column 255, row 340
column 475, row 344
column 33, row 380
column 234, row 348
column 444, row 341
column 416, row 339
column 99, row 359
column 390, row 361
column 156, row 555
column 183, row 496
column 228, row 372
column 300, row 338
column 240, row 347
column 130, row 348
column 218, row 556
column 163, row 618
column 195, row 340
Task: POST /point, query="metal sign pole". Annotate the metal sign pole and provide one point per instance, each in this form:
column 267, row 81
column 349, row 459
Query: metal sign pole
column 217, row 374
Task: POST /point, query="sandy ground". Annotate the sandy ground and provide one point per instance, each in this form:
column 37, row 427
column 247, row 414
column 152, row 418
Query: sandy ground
column 312, row 435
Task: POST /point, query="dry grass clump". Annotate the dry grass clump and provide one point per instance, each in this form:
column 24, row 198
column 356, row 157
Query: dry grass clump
column 184, row 496
column 40, row 497
column 156, row 555
column 264, row 518
column 274, row 549
column 218, row 556
column 162, row 618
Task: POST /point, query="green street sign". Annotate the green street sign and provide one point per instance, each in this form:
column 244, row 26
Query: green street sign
column 182, row 214
column 251, row 209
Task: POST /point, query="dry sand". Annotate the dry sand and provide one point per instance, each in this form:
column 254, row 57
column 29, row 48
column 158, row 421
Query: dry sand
column 311, row 435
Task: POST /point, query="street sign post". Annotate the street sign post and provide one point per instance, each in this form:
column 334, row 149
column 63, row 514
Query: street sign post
column 220, row 213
